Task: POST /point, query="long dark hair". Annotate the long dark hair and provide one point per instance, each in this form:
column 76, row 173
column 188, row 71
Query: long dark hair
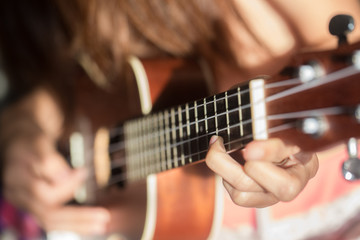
column 41, row 40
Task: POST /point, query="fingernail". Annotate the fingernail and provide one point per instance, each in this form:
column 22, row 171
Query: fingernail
column 213, row 139
column 220, row 141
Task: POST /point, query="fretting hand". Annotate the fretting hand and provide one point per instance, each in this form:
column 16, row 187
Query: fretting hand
column 272, row 171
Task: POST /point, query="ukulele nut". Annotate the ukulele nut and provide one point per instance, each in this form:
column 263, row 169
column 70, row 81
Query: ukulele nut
column 356, row 59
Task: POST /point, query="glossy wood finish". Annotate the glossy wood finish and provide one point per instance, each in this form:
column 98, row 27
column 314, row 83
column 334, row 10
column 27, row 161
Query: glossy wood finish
column 186, row 203
column 186, row 196
column 343, row 93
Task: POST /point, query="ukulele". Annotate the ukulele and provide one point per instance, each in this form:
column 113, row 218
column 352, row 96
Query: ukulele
column 163, row 189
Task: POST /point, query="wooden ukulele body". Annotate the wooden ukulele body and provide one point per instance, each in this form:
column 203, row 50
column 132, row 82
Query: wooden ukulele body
column 177, row 204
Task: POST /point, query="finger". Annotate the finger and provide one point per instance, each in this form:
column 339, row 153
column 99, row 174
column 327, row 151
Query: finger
column 44, row 177
column 39, row 157
column 285, row 184
column 271, row 150
column 231, row 171
column 310, row 160
column 60, row 192
column 83, row 220
column 250, row 199
column 19, row 180
column 51, row 165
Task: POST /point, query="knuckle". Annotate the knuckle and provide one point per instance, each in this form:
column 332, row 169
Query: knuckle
column 289, row 191
column 314, row 166
column 211, row 158
column 241, row 183
column 240, row 198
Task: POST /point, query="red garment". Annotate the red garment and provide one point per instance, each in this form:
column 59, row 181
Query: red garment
column 16, row 224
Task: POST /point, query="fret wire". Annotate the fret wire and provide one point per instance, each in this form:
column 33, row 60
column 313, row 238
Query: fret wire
column 138, row 138
column 143, row 138
column 140, row 148
column 196, row 126
column 167, row 138
column 188, row 129
column 196, row 117
column 240, row 111
column 216, row 118
column 181, row 133
column 205, row 117
column 137, row 163
column 227, row 118
column 151, row 126
column 151, row 143
column 173, row 135
column 146, row 159
column 162, row 142
column 157, row 143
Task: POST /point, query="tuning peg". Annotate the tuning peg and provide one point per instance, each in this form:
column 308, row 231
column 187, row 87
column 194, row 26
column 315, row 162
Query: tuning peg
column 351, row 167
column 340, row 26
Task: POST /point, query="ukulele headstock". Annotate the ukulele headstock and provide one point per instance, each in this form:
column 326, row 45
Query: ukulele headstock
column 315, row 101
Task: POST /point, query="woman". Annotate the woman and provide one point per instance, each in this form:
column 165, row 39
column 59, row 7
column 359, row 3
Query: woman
column 239, row 40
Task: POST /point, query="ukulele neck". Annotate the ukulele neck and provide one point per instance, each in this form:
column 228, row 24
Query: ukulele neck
column 180, row 135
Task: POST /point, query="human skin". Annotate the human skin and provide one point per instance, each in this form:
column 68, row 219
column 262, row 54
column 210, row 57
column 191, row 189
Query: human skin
column 281, row 32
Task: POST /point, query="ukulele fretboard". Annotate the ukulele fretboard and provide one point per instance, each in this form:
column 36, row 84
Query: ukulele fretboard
column 180, row 135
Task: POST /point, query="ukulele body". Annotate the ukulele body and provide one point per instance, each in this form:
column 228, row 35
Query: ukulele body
column 182, row 203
